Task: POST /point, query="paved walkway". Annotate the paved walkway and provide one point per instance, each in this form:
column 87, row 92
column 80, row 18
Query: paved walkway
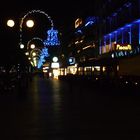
column 55, row 110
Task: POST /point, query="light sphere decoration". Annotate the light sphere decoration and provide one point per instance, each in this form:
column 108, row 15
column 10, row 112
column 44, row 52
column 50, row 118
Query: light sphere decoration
column 34, row 54
column 10, row 23
column 32, row 46
column 55, row 59
column 30, row 23
column 21, row 46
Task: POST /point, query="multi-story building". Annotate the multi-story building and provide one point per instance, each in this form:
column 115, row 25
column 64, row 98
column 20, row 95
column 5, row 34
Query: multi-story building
column 119, row 40
column 108, row 43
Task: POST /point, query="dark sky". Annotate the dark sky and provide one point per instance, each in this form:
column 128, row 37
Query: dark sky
column 61, row 11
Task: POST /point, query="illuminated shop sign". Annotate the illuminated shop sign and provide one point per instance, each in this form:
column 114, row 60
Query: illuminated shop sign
column 135, row 51
column 123, row 47
column 78, row 22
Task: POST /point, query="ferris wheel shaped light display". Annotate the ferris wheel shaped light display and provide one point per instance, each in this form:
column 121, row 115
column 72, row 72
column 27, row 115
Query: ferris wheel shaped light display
column 51, row 39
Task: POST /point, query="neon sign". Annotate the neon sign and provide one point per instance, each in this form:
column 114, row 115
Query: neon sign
column 123, row 47
column 78, row 22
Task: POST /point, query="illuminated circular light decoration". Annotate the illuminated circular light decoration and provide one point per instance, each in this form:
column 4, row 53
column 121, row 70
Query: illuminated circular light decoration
column 70, row 60
column 33, row 12
column 30, row 23
column 32, row 46
column 34, row 54
column 52, row 37
column 10, row 23
column 55, row 59
column 21, row 46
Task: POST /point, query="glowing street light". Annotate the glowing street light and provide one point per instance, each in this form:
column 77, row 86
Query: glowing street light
column 55, row 59
column 30, row 23
column 32, row 46
column 21, row 46
column 10, row 23
column 34, row 54
column 27, row 53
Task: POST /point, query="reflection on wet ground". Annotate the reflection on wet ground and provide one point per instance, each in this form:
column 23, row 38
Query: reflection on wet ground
column 57, row 110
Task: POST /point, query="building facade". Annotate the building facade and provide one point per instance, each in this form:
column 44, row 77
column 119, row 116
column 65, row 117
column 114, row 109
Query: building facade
column 101, row 43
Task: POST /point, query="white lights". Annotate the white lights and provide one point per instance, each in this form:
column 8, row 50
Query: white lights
column 27, row 53
column 30, row 23
column 21, row 46
column 112, row 55
column 10, row 23
column 32, row 46
column 72, row 60
column 55, row 59
column 55, row 65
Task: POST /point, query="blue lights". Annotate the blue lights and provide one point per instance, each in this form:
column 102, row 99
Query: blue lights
column 137, row 21
column 128, row 4
column 139, row 33
column 122, row 35
column 44, row 53
column 79, row 31
column 126, row 27
column 71, row 60
column 52, row 39
column 90, row 21
column 114, row 14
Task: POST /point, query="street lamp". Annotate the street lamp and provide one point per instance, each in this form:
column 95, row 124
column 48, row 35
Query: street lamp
column 32, row 46
column 30, row 23
column 10, row 23
column 21, row 46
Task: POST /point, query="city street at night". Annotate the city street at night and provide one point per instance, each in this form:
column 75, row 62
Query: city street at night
column 70, row 70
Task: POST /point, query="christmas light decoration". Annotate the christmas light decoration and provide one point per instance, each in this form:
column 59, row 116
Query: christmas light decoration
column 35, row 38
column 52, row 39
column 33, row 12
column 44, row 53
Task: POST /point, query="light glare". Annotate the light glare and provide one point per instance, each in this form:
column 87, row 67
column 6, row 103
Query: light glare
column 10, row 23
column 30, row 23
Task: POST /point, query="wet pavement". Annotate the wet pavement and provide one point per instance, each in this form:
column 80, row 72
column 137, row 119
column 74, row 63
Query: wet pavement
column 50, row 109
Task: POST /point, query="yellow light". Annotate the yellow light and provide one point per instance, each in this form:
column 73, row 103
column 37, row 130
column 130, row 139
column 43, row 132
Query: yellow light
column 27, row 53
column 30, row 23
column 55, row 73
column 34, row 54
column 10, row 23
